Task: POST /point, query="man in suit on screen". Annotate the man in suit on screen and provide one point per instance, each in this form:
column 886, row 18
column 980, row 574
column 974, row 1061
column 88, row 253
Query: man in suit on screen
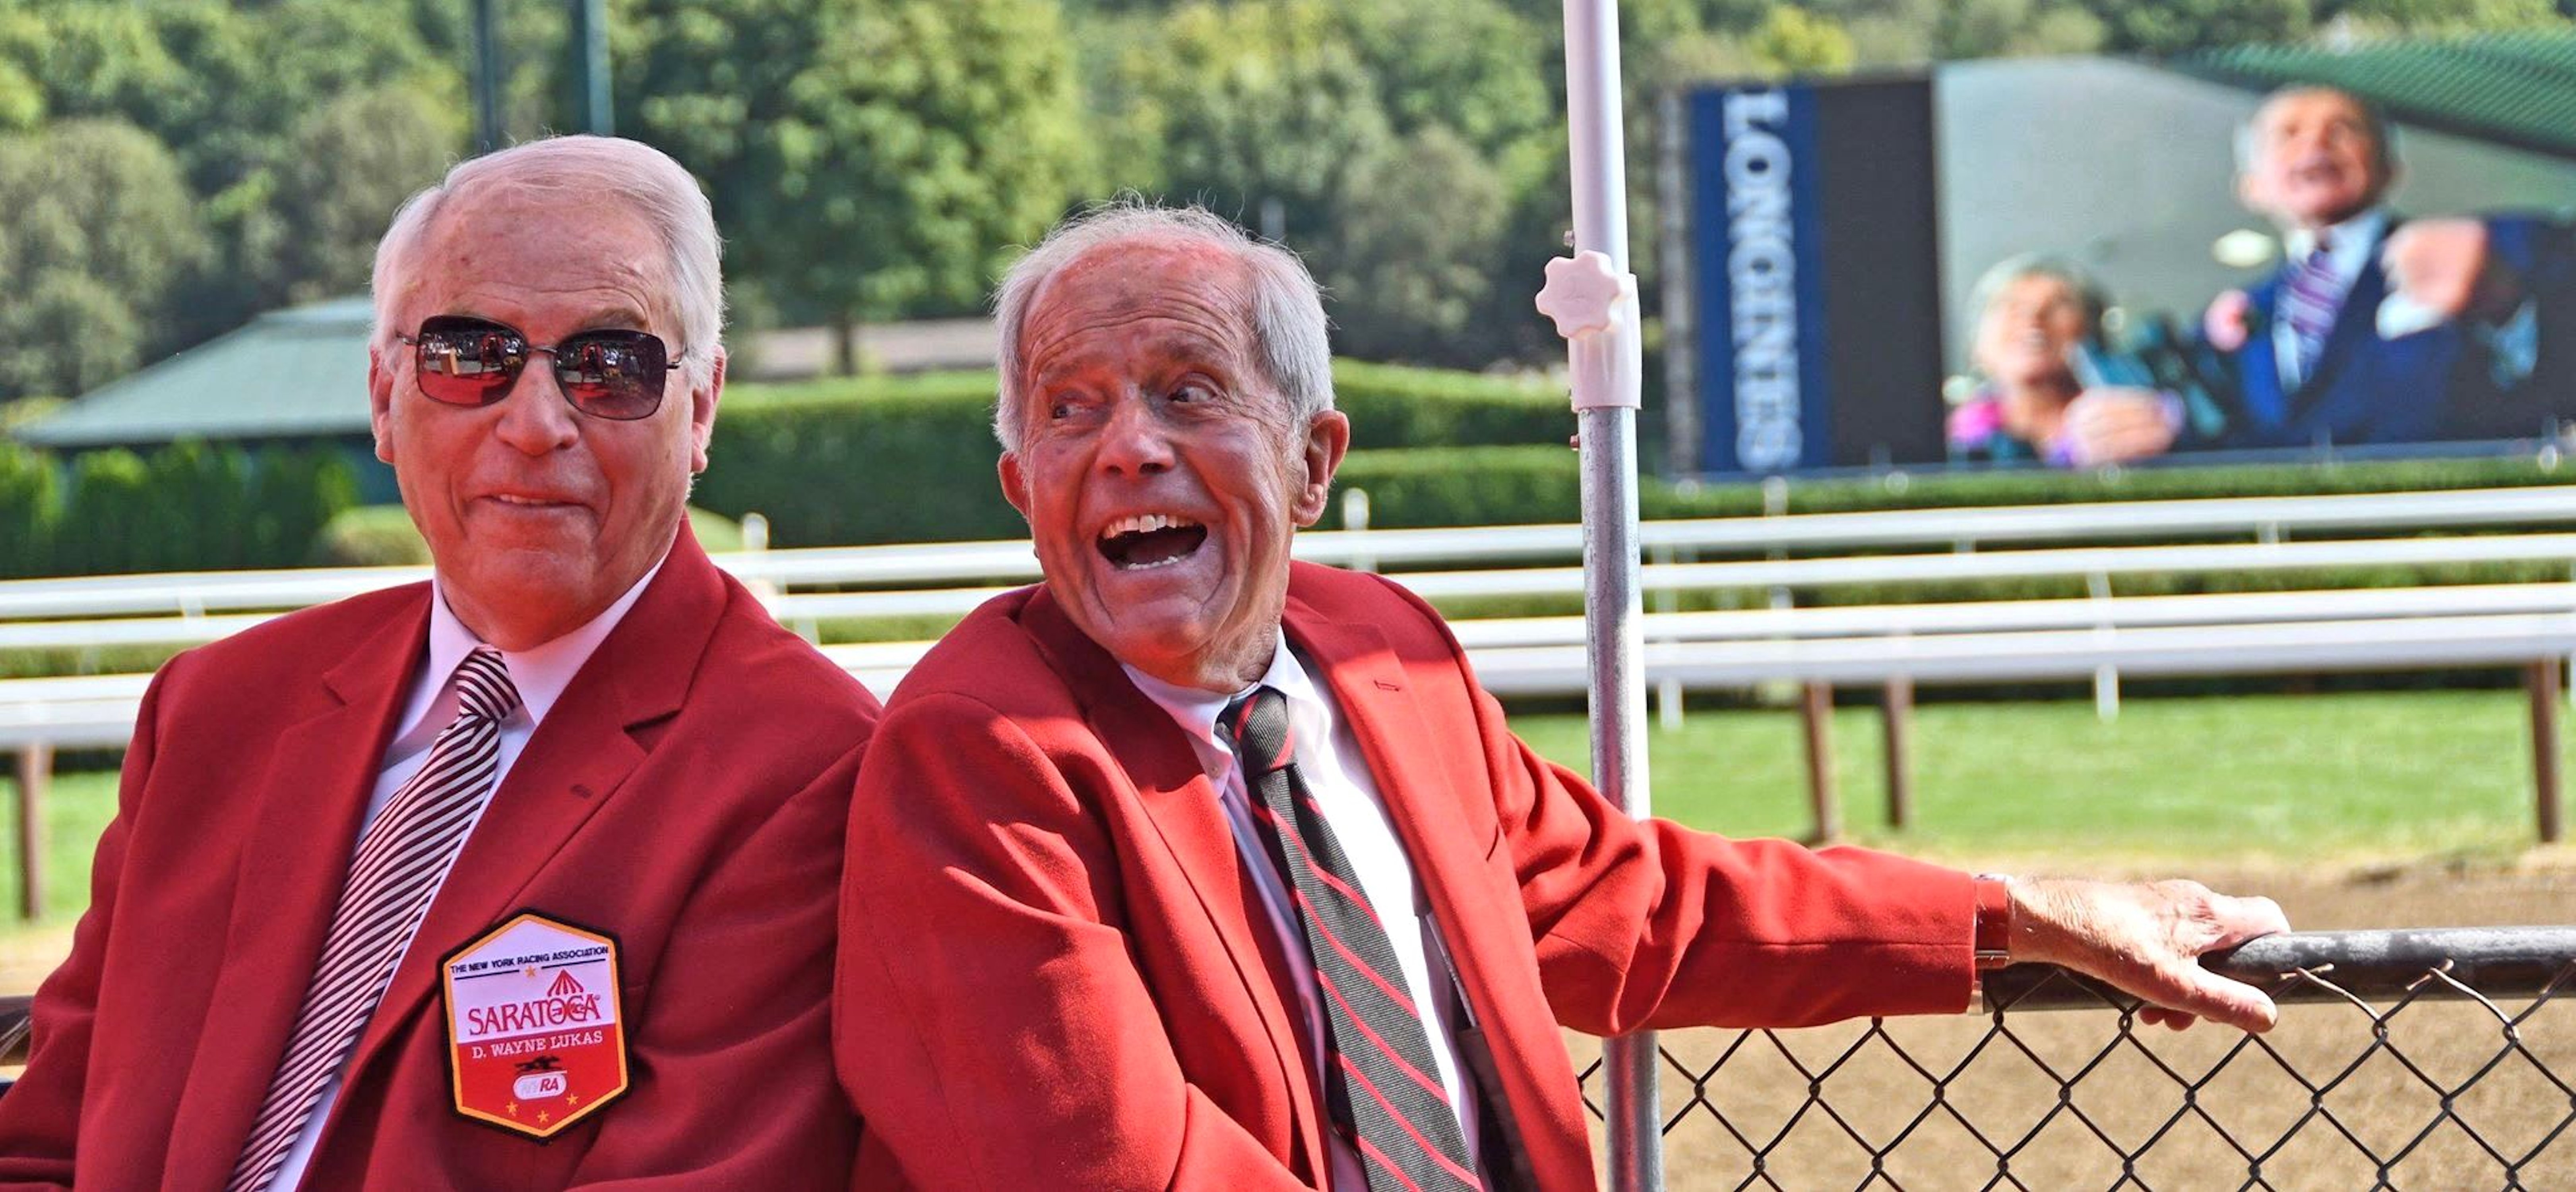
column 2375, row 328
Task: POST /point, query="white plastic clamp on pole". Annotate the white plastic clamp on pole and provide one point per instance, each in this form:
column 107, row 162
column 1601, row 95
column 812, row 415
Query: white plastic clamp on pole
column 1594, row 304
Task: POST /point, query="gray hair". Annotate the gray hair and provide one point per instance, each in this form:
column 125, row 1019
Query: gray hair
column 1290, row 341
column 2383, row 135
column 2088, row 290
column 589, row 168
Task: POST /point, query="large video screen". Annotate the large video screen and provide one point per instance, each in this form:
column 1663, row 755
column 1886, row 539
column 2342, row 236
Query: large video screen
column 2088, row 262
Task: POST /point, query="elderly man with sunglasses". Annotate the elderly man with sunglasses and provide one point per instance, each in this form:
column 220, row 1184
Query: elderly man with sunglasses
column 522, row 877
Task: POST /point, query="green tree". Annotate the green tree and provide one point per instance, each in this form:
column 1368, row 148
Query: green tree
column 22, row 102
column 2176, row 26
column 103, row 60
column 1298, row 116
column 354, row 161
column 1802, row 42
column 64, row 335
column 1413, row 251
column 102, row 231
column 1473, row 67
column 1265, row 101
column 1990, row 28
column 2444, row 16
column 1790, row 40
column 869, row 158
column 226, row 88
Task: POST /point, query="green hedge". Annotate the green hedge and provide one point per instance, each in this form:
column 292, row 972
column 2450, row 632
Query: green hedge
column 384, row 536
column 1394, row 407
column 31, row 504
column 910, row 459
column 188, row 506
column 851, row 462
column 1462, row 486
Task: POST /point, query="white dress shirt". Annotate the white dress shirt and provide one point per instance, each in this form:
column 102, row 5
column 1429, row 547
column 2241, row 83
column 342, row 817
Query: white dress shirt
column 540, row 674
column 1328, row 758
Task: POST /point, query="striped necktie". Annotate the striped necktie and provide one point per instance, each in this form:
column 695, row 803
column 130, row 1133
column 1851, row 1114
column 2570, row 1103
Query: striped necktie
column 401, row 859
column 2309, row 300
column 1384, row 1085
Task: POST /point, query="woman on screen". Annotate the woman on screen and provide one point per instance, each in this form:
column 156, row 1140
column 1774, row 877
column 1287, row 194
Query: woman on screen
column 2043, row 388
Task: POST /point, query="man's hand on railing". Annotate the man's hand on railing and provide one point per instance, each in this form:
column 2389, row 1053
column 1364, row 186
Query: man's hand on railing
column 2147, row 939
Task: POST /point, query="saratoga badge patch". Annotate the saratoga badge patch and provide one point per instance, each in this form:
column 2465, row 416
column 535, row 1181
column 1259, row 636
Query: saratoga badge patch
column 535, row 1040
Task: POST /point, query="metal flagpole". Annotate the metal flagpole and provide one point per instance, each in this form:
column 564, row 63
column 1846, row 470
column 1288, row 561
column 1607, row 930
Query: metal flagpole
column 1593, row 299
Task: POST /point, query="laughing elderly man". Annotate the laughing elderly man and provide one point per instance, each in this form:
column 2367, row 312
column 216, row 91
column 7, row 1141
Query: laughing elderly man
column 1198, row 868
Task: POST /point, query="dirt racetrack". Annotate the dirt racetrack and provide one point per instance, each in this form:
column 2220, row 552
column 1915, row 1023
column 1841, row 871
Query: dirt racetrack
column 2339, row 1092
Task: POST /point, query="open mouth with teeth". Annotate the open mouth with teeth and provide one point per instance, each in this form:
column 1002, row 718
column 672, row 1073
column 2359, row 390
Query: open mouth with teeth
column 1151, row 540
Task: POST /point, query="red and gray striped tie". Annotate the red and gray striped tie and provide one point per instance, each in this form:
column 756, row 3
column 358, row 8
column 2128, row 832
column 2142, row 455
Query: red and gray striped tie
column 1385, row 1085
column 399, row 863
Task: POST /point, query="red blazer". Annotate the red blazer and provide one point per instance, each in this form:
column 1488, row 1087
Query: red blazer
column 687, row 795
column 1052, row 972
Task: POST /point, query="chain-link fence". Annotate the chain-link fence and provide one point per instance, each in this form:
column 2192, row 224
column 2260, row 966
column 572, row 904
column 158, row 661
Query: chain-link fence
column 2403, row 1059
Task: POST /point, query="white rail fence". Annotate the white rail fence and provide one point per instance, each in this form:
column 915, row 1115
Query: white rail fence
column 1894, row 647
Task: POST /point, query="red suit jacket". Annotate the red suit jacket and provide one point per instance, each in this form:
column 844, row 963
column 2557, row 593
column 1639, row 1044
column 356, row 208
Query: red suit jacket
column 687, row 795
column 1053, row 973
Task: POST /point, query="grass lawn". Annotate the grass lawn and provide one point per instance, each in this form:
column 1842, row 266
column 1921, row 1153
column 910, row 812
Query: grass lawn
column 77, row 808
column 2239, row 782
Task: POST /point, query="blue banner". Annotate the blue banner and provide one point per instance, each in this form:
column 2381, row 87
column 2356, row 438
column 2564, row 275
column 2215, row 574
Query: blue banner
column 1759, row 260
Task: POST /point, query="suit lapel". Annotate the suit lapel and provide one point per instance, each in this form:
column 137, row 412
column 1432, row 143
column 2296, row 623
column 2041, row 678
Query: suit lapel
column 570, row 768
column 319, row 776
column 1187, row 815
column 2258, row 375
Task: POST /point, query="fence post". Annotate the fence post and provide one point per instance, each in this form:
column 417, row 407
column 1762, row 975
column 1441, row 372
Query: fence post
column 2541, row 679
column 2106, row 678
column 1895, row 717
column 1817, row 710
column 35, row 770
column 1668, row 690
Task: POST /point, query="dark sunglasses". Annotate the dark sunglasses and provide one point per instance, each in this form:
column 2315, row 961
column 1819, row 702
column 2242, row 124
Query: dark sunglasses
column 465, row 361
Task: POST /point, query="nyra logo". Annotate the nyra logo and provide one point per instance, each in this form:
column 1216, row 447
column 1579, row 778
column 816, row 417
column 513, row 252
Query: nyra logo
column 564, row 985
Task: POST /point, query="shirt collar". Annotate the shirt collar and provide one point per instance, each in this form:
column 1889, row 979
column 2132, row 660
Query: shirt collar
column 542, row 672
column 1196, row 710
column 2351, row 240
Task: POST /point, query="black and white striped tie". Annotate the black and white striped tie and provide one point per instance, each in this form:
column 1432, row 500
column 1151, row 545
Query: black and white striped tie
column 400, row 861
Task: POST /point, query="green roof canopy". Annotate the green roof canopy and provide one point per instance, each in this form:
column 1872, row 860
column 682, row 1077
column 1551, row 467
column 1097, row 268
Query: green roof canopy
column 2514, row 88
column 289, row 374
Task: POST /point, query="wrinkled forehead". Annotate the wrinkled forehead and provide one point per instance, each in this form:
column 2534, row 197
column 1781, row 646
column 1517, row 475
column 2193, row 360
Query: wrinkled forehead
column 1164, row 299
column 515, row 251
column 2298, row 109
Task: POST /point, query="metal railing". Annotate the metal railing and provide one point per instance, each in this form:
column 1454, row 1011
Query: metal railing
column 2403, row 1059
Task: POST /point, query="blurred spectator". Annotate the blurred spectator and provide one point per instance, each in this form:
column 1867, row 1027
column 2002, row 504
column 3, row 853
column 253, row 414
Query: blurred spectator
column 2039, row 330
